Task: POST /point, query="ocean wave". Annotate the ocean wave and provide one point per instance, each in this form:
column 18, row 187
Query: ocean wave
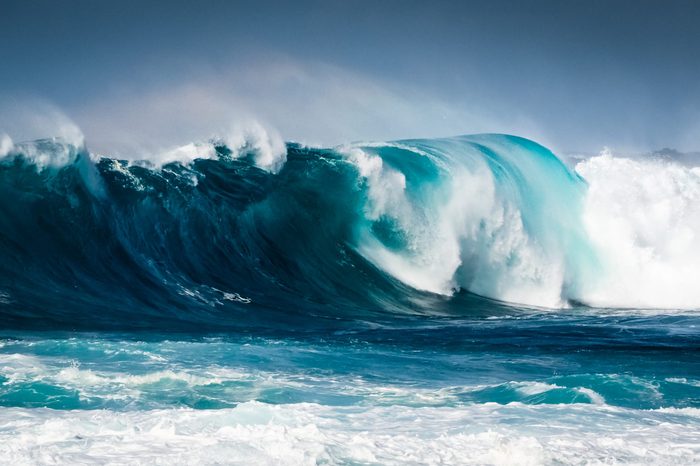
column 244, row 231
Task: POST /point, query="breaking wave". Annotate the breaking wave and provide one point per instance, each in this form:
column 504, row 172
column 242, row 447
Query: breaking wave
column 247, row 231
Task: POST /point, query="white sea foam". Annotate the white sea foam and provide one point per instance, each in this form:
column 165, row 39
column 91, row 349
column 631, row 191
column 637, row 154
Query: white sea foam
column 81, row 378
column 684, row 381
column 6, row 145
column 298, row 434
column 184, row 155
column 236, row 298
column 17, row 366
column 265, row 144
column 49, row 153
column 269, row 149
column 66, row 139
column 595, row 397
column 535, row 388
column 643, row 215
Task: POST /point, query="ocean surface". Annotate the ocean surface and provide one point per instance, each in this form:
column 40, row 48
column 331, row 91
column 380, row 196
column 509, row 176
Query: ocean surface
column 466, row 300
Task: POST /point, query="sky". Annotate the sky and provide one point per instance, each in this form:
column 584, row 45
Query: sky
column 147, row 75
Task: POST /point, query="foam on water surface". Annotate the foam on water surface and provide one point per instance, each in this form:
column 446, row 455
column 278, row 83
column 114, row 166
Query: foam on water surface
column 294, row 434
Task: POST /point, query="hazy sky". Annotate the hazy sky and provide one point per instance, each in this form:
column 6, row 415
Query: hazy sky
column 576, row 75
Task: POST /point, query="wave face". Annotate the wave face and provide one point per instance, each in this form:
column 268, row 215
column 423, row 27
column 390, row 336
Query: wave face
column 239, row 236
